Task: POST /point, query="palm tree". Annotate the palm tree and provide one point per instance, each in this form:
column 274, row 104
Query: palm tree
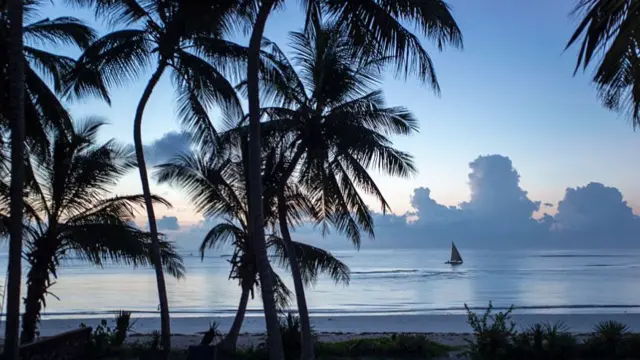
column 335, row 128
column 372, row 24
column 39, row 107
column 44, row 72
column 69, row 212
column 216, row 183
column 611, row 28
column 186, row 38
column 16, row 72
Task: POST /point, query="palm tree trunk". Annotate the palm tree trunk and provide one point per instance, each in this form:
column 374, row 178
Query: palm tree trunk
column 256, row 216
column 16, row 103
column 230, row 341
column 306, row 340
column 146, row 191
column 36, row 289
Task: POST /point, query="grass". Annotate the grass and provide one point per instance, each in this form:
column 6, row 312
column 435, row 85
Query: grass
column 400, row 346
column 395, row 346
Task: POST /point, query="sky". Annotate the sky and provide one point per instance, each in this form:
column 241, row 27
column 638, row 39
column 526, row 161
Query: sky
column 510, row 92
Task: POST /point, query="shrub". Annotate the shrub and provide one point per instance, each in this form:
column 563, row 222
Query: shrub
column 123, row 327
column 610, row 339
column 545, row 341
column 291, row 336
column 105, row 340
column 211, row 334
column 493, row 334
column 396, row 346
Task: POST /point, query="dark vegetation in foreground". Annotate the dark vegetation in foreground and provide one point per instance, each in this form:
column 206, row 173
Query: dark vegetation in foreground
column 496, row 337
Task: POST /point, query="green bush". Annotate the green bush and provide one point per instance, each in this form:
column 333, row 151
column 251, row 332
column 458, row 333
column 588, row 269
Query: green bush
column 545, row 341
column 610, row 340
column 210, row 335
column 397, row 346
column 123, row 327
column 290, row 332
column 105, row 340
column 493, row 334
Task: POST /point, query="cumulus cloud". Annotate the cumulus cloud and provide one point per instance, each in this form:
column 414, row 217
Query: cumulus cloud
column 168, row 223
column 595, row 208
column 497, row 202
column 496, row 193
column 429, row 211
column 499, row 212
column 166, row 147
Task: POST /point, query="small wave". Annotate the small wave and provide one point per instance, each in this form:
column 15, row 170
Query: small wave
column 577, row 256
column 603, row 265
column 407, row 274
column 360, row 310
column 378, row 272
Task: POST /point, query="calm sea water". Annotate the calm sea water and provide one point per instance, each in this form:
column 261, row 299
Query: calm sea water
column 383, row 282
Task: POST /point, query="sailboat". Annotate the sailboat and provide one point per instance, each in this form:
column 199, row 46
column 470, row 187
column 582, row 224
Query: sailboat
column 456, row 259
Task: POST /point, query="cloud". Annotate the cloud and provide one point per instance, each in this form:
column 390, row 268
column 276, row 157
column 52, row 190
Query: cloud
column 168, row 223
column 496, row 194
column 498, row 204
column 429, row 211
column 166, row 147
column 596, row 209
column 498, row 214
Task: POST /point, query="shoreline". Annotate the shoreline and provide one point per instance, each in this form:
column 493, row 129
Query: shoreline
column 379, row 324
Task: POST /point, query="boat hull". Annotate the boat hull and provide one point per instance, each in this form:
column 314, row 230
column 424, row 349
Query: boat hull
column 454, row 263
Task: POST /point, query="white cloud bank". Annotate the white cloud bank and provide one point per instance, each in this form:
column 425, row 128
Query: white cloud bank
column 500, row 213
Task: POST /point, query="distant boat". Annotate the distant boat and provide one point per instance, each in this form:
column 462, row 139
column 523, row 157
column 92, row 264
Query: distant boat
column 456, row 259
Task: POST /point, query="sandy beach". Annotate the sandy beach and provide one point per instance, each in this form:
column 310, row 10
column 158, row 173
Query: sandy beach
column 445, row 329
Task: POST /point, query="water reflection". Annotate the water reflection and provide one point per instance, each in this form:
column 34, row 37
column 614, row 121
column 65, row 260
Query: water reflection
column 382, row 282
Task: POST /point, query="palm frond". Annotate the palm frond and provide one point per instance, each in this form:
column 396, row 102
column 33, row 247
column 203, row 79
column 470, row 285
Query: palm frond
column 111, row 61
column 117, row 12
column 60, row 31
column 222, row 234
column 51, row 66
column 610, row 28
column 207, row 83
column 120, row 243
column 312, row 260
column 213, row 185
column 382, row 22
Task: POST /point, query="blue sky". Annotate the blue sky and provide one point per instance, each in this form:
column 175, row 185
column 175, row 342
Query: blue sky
column 511, row 91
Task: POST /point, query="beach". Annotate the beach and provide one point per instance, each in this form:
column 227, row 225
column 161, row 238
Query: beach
column 446, row 329
column 390, row 292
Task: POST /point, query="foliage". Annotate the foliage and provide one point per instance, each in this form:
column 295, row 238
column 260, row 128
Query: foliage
column 545, row 341
column 608, row 38
column 123, row 327
column 149, row 350
column 187, row 39
column 332, row 124
column 496, row 338
column 45, row 72
column 291, row 334
column 105, row 339
column 71, row 211
column 493, row 334
column 395, row 346
column 216, row 184
column 609, row 339
column 211, row 335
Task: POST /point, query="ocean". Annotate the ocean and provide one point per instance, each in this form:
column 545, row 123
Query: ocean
column 383, row 282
